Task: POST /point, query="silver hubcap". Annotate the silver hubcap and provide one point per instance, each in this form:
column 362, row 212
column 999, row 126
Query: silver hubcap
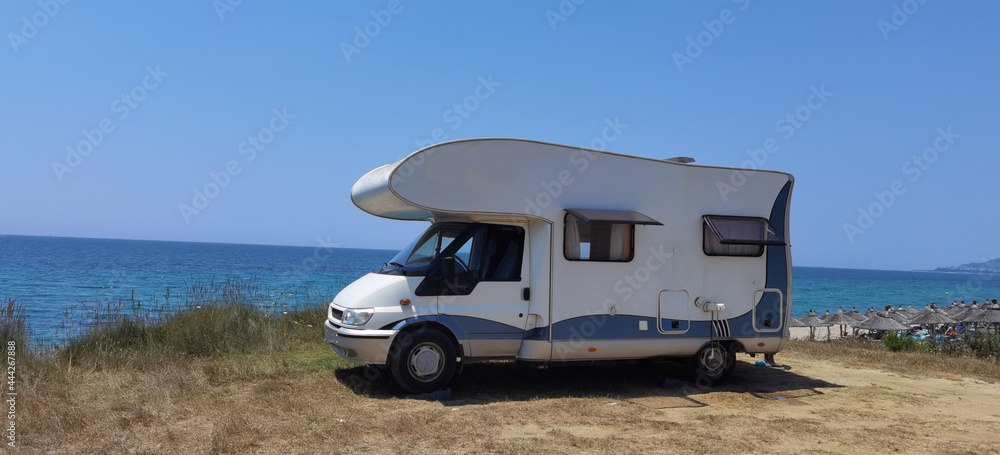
column 426, row 362
column 712, row 360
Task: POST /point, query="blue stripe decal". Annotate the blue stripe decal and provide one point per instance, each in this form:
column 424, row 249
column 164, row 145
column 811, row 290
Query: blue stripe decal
column 621, row 327
column 479, row 329
column 443, row 320
column 777, row 265
column 469, row 328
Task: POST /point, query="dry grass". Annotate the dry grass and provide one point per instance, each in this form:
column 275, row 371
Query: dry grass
column 280, row 389
column 916, row 364
column 834, row 400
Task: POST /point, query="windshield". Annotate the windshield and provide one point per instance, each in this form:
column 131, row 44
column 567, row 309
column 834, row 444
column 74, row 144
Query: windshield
column 415, row 257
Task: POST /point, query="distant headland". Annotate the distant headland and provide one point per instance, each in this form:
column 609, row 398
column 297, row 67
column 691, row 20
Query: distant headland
column 992, row 266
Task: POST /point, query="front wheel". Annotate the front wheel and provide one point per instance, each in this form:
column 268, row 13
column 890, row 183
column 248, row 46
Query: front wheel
column 423, row 361
column 713, row 363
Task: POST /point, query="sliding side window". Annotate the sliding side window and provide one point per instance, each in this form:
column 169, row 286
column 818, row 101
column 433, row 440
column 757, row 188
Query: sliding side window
column 601, row 235
column 738, row 236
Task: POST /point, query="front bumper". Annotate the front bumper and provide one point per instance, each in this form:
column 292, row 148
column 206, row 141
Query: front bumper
column 362, row 346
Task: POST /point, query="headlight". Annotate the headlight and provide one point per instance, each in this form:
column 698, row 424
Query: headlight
column 357, row 317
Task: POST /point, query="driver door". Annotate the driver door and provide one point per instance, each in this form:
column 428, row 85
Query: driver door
column 491, row 268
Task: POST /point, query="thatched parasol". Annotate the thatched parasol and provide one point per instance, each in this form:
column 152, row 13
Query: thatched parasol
column 812, row 321
column 955, row 309
column 796, row 323
column 969, row 314
column 841, row 319
column 990, row 315
column 912, row 311
column 854, row 313
column 931, row 314
column 899, row 315
column 881, row 321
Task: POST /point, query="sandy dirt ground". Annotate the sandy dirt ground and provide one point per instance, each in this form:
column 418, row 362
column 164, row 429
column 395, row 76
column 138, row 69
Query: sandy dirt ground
column 809, row 405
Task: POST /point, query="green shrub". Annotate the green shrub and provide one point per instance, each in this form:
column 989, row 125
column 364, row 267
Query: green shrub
column 985, row 344
column 215, row 320
column 13, row 327
column 897, row 341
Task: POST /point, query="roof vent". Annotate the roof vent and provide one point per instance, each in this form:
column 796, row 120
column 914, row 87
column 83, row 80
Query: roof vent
column 681, row 159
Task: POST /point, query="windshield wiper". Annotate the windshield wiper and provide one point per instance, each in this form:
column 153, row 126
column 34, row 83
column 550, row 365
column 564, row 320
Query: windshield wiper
column 397, row 265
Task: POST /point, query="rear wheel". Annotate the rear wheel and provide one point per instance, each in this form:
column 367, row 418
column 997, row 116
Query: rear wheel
column 713, row 363
column 423, row 361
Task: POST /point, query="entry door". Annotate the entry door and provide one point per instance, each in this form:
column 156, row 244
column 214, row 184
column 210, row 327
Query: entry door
column 768, row 310
column 495, row 313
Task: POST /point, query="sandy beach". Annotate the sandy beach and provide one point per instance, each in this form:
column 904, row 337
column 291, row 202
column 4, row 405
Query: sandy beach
column 802, row 333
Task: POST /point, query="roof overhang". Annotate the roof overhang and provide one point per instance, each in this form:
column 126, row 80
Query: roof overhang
column 613, row 217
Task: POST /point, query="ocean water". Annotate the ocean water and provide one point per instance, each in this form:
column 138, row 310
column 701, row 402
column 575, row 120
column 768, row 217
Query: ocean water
column 53, row 275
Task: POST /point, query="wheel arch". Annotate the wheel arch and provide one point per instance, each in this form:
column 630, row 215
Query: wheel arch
column 730, row 344
column 421, row 324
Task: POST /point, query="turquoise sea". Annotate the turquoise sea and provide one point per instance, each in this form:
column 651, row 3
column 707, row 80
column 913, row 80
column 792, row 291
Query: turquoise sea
column 53, row 276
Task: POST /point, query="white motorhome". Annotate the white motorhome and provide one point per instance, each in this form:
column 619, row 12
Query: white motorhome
column 548, row 253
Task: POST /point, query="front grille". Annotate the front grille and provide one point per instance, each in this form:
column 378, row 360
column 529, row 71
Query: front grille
column 337, row 314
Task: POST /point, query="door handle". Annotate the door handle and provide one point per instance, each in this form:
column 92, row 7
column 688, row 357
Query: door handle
column 526, row 294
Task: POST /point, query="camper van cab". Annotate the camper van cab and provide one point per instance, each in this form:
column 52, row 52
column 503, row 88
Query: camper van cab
column 547, row 253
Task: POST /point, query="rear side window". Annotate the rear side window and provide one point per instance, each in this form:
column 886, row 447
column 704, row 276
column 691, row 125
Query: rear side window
column 585, row 241
column 738, row 235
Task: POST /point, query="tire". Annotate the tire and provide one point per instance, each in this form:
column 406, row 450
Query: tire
column 713, row 363
column 423, row 361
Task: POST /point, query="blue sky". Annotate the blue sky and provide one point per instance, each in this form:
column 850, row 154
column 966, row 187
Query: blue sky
column 112, row 114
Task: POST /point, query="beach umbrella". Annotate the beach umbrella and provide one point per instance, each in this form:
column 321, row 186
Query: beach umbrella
column 955, row 309
column 854, row 313
column 881, row 321
column 841, row 319
column 931, row 315
column 796, row 323
column 826, row 317
column 899, row 315
column 970, row 314
column 911, row 311
column 990, row 315
column 812, row 321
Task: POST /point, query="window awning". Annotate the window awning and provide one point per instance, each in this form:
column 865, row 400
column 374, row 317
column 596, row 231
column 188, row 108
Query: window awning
column 743, row 230
column 612, row 217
